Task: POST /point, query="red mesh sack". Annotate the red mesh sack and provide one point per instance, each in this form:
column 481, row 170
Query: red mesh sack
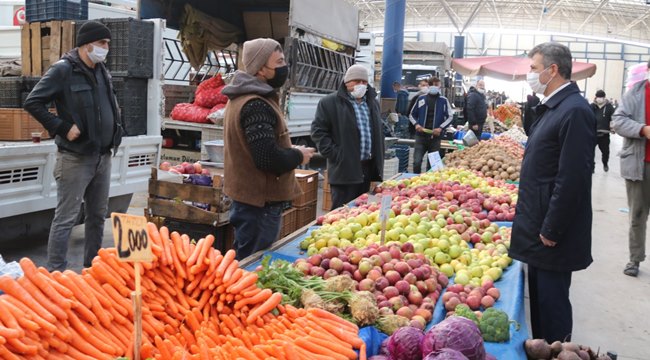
column 190, row 113
column 212, row 83
column 210, row 97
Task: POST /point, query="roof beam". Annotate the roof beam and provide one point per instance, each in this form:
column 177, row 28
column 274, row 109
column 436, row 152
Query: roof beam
column 593, row 13
column 473, row 15
column 635, row 22
column 452, row 15
column 496, row 14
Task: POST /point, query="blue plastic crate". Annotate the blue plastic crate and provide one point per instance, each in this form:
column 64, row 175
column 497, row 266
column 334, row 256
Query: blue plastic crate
column 46, row 10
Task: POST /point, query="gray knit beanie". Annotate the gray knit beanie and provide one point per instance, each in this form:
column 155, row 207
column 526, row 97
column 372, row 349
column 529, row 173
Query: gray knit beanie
column 356, row 72
column 256, row 53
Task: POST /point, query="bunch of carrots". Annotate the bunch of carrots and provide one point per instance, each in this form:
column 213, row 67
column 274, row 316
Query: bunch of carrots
column 196, row 304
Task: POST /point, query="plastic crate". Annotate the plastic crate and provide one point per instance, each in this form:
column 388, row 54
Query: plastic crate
column 44, row 10
column 11, row 92
column 131, row 48
column 308, row 181
column 132, row 99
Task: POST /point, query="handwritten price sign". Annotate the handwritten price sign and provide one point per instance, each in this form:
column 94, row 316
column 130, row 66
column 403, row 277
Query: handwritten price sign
column 131, row 240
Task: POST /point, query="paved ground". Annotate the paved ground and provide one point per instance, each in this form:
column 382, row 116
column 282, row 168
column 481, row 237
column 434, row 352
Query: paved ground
column 610, row 309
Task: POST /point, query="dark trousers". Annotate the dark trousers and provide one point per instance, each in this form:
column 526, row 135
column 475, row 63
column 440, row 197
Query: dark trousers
column 551, row 314
column 478, row 132
column 603, row 146
column 424, row 143
column 343, row 194
column 256, row 228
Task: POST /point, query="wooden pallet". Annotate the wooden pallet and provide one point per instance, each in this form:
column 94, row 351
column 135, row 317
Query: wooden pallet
column 43, row 44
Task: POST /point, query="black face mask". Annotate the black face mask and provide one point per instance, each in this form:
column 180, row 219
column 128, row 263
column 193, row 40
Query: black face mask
column 280, row 77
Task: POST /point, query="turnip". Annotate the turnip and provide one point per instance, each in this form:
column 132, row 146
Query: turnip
column 583, row 355
column 556, row 347
column 572, row 347
column 537, row 349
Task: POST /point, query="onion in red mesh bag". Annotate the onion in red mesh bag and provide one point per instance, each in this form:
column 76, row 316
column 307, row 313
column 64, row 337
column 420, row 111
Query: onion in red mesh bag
column 212, row 83
column 190, row 113
column 210, row 97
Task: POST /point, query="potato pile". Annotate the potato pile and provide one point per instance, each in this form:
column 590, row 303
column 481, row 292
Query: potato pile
column 541, row 350
column 497, row 158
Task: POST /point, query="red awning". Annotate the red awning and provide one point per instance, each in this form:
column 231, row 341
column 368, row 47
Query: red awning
column 511, row 68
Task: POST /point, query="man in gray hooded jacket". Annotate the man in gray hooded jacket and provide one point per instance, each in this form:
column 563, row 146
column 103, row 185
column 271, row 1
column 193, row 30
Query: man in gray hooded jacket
column 632, row 121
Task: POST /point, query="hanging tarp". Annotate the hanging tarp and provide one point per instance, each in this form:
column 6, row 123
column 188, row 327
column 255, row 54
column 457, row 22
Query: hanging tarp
column 201, row 32
column 512, row 68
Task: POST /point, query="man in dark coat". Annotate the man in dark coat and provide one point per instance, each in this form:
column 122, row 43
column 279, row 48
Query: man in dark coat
column 552, row 225
column 603, row 111
column 529, row 112
column 347, row 131
column 476, row 108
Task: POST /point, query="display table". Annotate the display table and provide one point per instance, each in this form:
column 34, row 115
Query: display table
column 511, row 286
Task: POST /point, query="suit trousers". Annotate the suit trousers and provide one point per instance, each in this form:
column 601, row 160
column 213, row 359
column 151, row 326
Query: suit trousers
column 551, row 314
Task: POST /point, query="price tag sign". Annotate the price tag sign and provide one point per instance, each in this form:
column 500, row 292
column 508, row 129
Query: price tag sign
column 384, row 210
column 131, row 239
column 436, row 161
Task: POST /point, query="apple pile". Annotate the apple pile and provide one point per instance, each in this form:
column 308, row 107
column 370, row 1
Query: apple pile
column 404, row 283
column 184, row 168
column 478, row 181
column 475, row 297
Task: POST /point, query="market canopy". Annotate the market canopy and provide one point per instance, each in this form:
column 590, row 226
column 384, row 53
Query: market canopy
column 511, row 68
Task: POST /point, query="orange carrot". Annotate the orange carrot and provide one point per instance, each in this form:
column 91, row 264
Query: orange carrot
column 178, row 247
column 264, row 308
column 11, row 287
column 38, row 295
column 70, row 285
column 228, row 258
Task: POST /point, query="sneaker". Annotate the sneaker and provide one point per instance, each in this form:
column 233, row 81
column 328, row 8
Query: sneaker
column 631, row 269
column 606, row 168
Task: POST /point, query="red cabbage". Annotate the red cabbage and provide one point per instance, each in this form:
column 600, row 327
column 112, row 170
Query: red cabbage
column 383, row 348
column 446, row 354
column 380, row 357
column 457, row 333
column 404, row 344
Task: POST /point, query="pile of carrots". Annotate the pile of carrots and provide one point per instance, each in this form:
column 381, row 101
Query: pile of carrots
column 196, row 304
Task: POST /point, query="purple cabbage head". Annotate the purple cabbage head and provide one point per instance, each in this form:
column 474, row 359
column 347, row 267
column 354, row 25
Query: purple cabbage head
column 456, row 333
column 380, row 357
column 446, row 354
column 404, row 344
column 383, row 348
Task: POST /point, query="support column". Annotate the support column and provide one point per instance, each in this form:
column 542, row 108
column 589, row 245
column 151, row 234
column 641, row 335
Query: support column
column 459, row 51
column 391, row 65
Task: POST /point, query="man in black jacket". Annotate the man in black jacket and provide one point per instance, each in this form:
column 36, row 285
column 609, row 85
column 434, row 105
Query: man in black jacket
column 552, row 226
column 347, row 131
column 529, row 112
column 603, row 110
column 86, row 128
column 476, row 108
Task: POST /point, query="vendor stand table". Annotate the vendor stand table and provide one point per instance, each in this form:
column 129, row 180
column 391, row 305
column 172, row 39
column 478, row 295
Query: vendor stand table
column 511, row 287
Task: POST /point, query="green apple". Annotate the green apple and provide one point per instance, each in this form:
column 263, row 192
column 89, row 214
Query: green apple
column 454, row 251
column 476, row 271
column 410, row 230
column 418, row 248
column 494, row 273
column 447, row 269
column 461, row 278
column 443, row 245
column 434, row 232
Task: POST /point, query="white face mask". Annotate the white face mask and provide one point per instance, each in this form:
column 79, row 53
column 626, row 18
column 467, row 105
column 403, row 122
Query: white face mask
column 359, row 91
column 98, row 54
column 434, row 90
column 424, row 89
column 482, row 91
column 533, row 82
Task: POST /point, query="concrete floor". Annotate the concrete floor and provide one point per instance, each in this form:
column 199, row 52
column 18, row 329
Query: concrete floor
column 610, row 309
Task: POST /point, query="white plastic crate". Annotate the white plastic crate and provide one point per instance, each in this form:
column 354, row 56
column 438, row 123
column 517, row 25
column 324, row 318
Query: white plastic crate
column 391, row 167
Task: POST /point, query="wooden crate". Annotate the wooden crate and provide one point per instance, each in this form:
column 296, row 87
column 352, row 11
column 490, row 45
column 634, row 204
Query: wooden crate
column 308, row 181
column 327, row 200
column 18, row 124
column 167, row 199
column 43, row 44
column 305, row 215
column 288, row 222
column 326, row 183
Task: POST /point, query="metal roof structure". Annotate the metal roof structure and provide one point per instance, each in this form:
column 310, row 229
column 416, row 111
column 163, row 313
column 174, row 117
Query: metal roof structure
column 627, row 20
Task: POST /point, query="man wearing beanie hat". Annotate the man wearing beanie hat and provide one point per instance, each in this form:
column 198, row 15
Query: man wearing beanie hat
column 86, row 127
column 347, row 130
column 259, row 158
column 603, row 110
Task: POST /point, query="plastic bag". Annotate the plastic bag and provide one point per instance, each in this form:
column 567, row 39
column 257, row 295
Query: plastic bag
column 469, row 139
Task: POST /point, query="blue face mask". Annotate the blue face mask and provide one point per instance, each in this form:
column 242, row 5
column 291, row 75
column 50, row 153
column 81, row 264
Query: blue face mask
column 434, row 90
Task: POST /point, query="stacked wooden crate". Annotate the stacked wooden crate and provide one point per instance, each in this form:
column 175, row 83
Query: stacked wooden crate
column 305, row 204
